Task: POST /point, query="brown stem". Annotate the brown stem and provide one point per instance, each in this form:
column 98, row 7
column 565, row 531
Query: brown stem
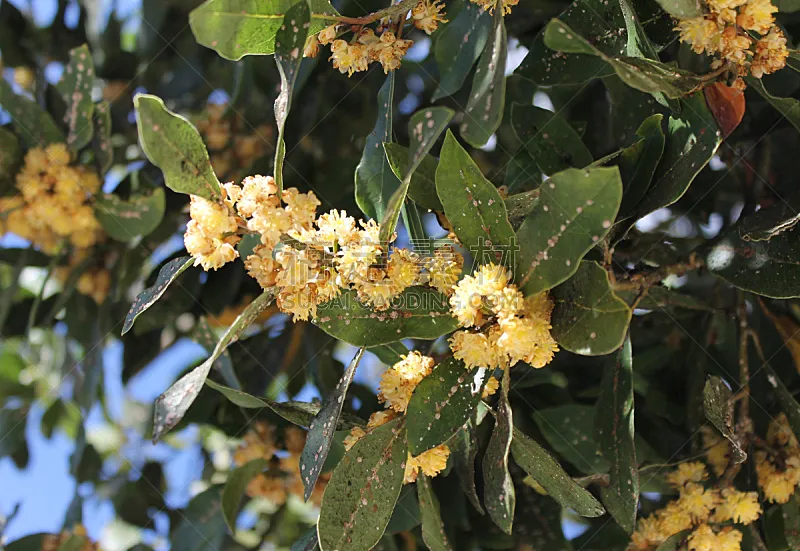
column 397, row 9
column 644, row 280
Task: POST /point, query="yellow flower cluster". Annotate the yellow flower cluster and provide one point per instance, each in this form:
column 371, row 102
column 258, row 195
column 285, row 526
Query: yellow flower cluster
column 282, row 477
column 718, row 450
column 490, row 5
column 24, row 77
column 508, row 327
column 427, row 15
column 779, row 468
column 232, row 143
column 54, row 201
column 94, row 280
column 52, row 542
column 399, row 381
column 724, row 32
column 705, row 511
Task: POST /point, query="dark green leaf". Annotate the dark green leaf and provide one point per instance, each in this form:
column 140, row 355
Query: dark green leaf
column 168, row 273
column 574, row 212
column 125, row 220
column 718, row 406
column 788, row 107
column 422, row 187
column 406, row 515
column 464, row 450
column 103, row 148
column 569, row 430
column 473, row 205
column 235, row 488
column 589, row 318
column 766, row 223
column 175, row 146
column 441, row 403
column 308, row 541
column 203, row 335
column 391, row 353
column 201, row 526
column 673, row 543
column 34, row 126
column 682, row 9
column 10, row 157
column 362, row 492
column 499, row 496
column 12, row 427
column 787, row 401
column 790, row 512
column 75, row 88
column 638, row 163
column 322, row 428
column 433, row 533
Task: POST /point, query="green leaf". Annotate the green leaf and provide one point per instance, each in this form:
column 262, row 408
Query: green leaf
column 673, row 543
column 768, row 268
column 422, row 187
column 417, row 313
column 615, row 431
column 322, row 428
column 391, row 353
column 520, row 205
column 682, row 9
column 718, row 407
column 786, row 400
column 643, row 74
column 307, row 542
column 433, row 533
column 201, row 526
column 790, row 512
column 236, row 28
column 75, row 88
column 175, row 146
column 172, row 405
column 168, row 273
column 589, row 318
column 12, row 427
column 406, row 514
column 290, row 40
column 638, row 163
column 473, row 205
column 126, row 220
column 464, row 450
column 103, row 147
column 787, row 6
column 499, row 496
column 10, row 157
column 766, row 223
column 203, row 335
column 788, row 107
column 535, row 461
column 569, row 430
column 663, row 297
column 458, row 46
column 235, row 488
column 34, row 542
column 442, row 403
column 34, row 126
column 487, row 98
column 362, row 492
column 574, row 212
column 538, row 520
column 550, row 140
column 375, row 181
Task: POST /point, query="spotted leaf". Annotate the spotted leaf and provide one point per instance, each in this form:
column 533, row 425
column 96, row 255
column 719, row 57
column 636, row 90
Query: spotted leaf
column 34, row 126
column 126, row 220
column 499, row 496
column 166, row 275
column 433, row 533
column 75, row 88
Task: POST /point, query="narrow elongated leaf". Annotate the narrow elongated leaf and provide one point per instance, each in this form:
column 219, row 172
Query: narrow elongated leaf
column 574, row 212
column 323, row 427
column 166, row 275
column 375, row 180
column 790, row 512
column 406, row 515
column 125, row 220
column 787, row 401
column 638, row 163
column 34, row 126
column 766, row 223
column 175, row 146
column 289, row 43
column 442, row 403
column 538, row 520
column 788, row 107
column 75, row 88
column 417, row 313
column 433, row 533
column 615, row 429
column 464, row 450
column 308, row 541
column 203, row 335
column 718, row 406
column 458, row 45
column 499, row 495
column 569, row 430
column 235, row 487
column 473, row 205
column 172, row 405
column 422, row 187
column 550, row 140
column 589, row 318
column 103, row 148
column 535, row 461
column 487, row 98
column 363, row 490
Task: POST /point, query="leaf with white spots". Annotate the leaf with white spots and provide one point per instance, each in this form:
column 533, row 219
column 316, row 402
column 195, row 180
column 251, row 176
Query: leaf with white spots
column 550, row 140
column 34, row 126
column 236, row 28
column 75, row 88
column 175, row 146
column 442, row 403
column 126, row 220
column 638, row 163
column 166, row 275
column 615, row 431
column 204, row 336
column 323, row 427
column 535, row 461
column 417, row 313
column 422, row 187
column 499, row 496
column 718, row 407
column 235, row 488
column 473, row 205
column 433, row 533
column 458, row 46
column 424, row 128
column 682, row 9
column 375, row 180
column 589, row 318
column 575, row 211
column 172, row 405
column 487, row 98
column 464, row 450
column 569, row 429
column 289, row 43
column 363, row 490
column 103, row 147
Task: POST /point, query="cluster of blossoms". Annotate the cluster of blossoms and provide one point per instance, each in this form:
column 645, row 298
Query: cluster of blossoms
column 504, row 327
column 725, row 32
column 778, row 468
column 282, row 477
column 53, row 542
column 707, row 512
column 490, row 5
column 54, row 203
column 94, row 280
column 233, row 146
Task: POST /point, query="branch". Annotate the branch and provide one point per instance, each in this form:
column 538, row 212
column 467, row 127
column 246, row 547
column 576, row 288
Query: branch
column 643, row 280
